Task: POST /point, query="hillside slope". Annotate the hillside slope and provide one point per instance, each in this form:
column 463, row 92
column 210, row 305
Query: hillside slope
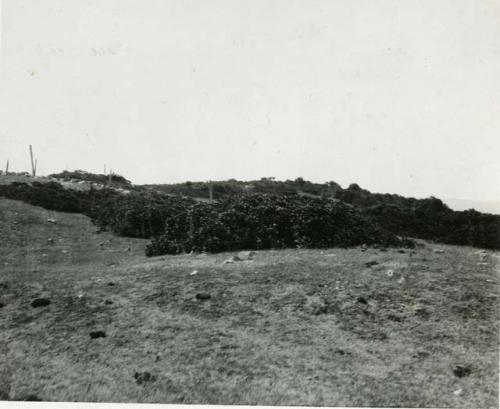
column 340, row 327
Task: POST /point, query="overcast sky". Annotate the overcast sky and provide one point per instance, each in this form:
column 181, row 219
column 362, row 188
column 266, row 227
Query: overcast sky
column 397, row 96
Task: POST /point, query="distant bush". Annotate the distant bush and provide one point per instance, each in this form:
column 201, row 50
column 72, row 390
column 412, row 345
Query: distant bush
column 50, row 196
column 431, row 219
column 259, row 220
column 116, row 180
column 262, row 221
column 140, row 215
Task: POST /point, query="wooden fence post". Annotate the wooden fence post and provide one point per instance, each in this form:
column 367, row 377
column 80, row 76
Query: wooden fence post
column 33, row 170
column 210, row 191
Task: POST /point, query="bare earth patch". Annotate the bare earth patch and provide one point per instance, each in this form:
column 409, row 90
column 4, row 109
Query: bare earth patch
column 339, row 327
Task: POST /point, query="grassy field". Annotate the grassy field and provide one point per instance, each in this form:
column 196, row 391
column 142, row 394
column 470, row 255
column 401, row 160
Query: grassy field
column 339, row 327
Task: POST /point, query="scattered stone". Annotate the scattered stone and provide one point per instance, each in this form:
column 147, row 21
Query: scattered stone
column 422, row 312
column 364, row 247
column 32, row 398
column 111, row 284
column 421, row 354
column 203, row 296
column 2, row 305
column 228, row 261
column 245, row 255
column 52, row 221
column 97, row 334
column 50, row 240
column 316, row 306
column 193, row 273
column 142, row 377
column 127, row 249
column 401, row 251
column 483, row 264
column 40, row 302
column 108, row 302
column 401, row 280
column 438, row 251
column 371, row 263
column 458, row 392
column 460, row 371
column 362, row 300
column 44, row 255
column 393, row 317
column 65, row 251
column 229, row 346
column 340, row 352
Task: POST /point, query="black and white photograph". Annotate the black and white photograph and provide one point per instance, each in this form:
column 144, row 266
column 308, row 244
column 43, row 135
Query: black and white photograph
column 269, row 203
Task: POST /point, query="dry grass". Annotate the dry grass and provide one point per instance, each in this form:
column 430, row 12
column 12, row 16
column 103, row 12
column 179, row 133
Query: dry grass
column 293, row 327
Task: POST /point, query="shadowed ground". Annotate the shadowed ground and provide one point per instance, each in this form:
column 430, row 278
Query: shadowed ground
column 342, row 327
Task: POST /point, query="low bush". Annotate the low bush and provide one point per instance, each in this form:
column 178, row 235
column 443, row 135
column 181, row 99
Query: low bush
column 50, row 196
column 116, row 180
column 431, row 219
column 137, row 214
column 262, row 221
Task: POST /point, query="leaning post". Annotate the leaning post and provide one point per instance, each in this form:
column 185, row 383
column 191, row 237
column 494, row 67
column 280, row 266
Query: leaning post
column 33, row 169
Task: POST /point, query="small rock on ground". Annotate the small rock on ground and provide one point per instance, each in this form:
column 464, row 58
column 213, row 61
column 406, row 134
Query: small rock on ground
column 244, row 255
column 40, row 302
column 97, row 334
column 142, row 377
column 32, row 398
column 460, row 371
column 203, row 296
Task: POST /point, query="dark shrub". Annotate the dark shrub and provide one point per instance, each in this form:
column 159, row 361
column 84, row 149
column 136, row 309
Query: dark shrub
column 262, row 221
column 116, row 180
